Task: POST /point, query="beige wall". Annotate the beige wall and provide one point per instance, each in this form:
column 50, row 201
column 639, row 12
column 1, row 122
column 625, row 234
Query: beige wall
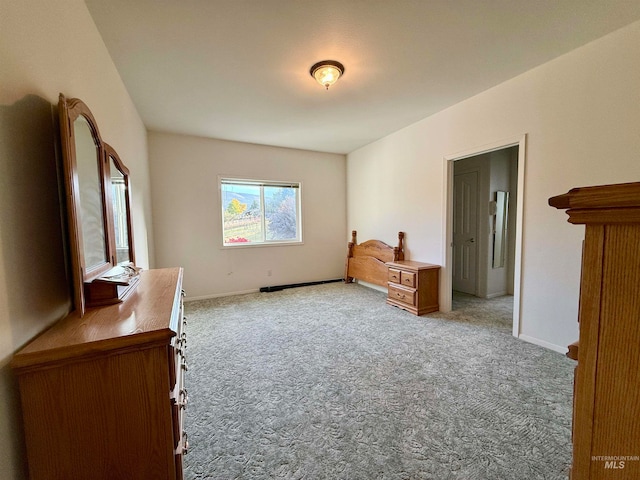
column 46, row 48
column 187, row 219
column 581, row 114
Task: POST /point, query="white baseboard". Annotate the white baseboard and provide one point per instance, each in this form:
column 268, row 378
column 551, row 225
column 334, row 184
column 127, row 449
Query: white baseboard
column 218, row 295
column 542, row 343
column 494, row 295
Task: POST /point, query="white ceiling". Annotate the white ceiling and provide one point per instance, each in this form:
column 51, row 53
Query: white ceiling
column 239, row 69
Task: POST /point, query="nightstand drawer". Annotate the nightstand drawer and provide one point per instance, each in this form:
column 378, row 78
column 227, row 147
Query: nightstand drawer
column 394, row 275
column 404, row 295
column 408, row 279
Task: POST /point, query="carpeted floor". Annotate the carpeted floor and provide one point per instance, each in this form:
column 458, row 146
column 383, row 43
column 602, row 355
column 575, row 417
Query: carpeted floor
column 329, row 382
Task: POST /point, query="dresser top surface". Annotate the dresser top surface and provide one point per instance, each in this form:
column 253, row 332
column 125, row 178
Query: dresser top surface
column 144, row 317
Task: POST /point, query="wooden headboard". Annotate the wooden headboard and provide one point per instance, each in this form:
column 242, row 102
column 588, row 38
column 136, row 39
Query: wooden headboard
column 367, row 261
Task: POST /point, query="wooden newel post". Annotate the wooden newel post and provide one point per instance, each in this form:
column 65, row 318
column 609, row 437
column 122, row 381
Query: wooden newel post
column 606, row 420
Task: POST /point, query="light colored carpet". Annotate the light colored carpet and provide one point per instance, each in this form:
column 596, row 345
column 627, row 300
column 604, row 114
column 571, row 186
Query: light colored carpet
column 329, row 382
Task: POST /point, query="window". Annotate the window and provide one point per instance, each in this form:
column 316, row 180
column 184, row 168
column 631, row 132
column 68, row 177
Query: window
column 119, row 189
column 260, row 212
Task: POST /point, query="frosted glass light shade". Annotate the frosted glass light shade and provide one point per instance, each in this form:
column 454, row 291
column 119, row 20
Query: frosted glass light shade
column 327, row 72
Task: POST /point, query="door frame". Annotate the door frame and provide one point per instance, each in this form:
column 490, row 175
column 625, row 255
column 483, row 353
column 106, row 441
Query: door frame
column 447, row 270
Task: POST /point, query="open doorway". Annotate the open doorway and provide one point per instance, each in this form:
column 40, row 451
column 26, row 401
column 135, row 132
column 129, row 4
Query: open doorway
column 484, row 225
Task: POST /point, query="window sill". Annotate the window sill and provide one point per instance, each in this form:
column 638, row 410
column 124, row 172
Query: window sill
column 260, row 245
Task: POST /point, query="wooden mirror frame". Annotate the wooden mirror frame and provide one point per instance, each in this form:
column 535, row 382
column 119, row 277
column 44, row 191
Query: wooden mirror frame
column 90, row 286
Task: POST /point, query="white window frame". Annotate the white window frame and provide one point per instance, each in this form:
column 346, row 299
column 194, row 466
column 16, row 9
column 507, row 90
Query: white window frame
column 227, row 179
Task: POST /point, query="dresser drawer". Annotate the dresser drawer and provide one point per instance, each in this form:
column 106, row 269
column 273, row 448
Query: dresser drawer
column 178, row 407
column 179, row 397
column 177, row 369
column 177, row 353
column 400, row 294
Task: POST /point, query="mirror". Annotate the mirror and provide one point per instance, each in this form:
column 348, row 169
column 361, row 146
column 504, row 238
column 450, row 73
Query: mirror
column 120, row 206
column 91, row 214
column 99, row 219
column 500, row 229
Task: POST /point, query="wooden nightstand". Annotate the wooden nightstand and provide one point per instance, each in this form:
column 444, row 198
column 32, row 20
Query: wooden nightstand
column 414, row 286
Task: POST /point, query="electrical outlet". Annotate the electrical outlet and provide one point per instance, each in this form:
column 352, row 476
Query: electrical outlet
column 268, row 273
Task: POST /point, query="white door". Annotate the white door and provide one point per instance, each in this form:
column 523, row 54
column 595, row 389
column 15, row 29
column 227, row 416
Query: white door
column 465, row 232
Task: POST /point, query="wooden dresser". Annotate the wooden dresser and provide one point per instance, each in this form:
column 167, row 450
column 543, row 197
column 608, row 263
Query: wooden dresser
column 103, row 395
column 414, row 286
column 606, row 407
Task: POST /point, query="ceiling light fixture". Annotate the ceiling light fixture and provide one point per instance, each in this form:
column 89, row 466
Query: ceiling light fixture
column 327, row 72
